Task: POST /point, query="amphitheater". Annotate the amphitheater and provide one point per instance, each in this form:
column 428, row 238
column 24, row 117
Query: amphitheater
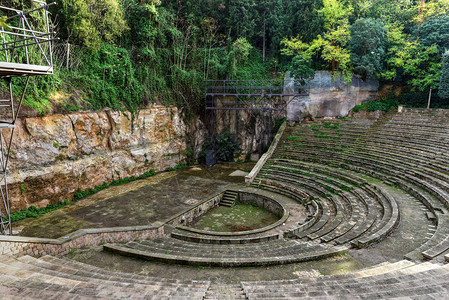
column 372, row 186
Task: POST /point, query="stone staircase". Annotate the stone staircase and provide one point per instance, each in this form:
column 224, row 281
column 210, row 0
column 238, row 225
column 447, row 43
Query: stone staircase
column 229, row 198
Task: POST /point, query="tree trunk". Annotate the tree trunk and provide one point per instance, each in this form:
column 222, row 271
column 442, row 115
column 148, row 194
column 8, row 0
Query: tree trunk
column 264, row 37
column 430, row 97
column 421, row 8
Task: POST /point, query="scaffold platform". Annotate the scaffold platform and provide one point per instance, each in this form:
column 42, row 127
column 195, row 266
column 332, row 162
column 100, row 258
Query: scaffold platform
column 25, row 51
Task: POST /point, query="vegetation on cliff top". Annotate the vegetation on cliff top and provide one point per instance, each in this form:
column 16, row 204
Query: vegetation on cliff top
column 124, row 54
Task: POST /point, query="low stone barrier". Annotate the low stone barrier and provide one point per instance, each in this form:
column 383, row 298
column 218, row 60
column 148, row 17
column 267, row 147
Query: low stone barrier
column 254, row 197
column 187, row 216
column 252, row 175
column 16, row 245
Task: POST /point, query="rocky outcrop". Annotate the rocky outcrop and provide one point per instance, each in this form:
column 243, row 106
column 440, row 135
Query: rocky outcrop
column 328, row 97
column 253, row 130
column 53, row 156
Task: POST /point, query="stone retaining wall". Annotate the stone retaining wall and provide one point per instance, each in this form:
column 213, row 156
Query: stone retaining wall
column 328, row 97
column 188, row 216
column 262, row 202
column 15, row 245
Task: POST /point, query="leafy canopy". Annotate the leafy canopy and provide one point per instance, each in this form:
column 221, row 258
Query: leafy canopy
column 368, row 42
column 91, row 22
column 443, row 91
column 331, row 45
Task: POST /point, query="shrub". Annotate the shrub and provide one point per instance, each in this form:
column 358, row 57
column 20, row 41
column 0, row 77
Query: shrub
column 383, row 104
column 224, row 144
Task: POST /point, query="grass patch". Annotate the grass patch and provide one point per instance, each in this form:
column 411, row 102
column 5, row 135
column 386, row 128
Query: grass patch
column 346, row 188
column 33, row 211
column 240, row 217
column 329, row 125
column 293, row 138
column 177, row 167
column 321, row 135
column 332, row 190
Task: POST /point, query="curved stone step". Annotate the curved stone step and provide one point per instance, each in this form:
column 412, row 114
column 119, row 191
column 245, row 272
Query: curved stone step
column 70, row 280
column 262, row 254
column 325, row 215
column 391, row 221
column 422, row 279
column 180, row 234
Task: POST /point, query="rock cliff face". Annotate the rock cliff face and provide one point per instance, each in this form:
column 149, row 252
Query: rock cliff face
column 252, row 130
column 328, row 97
column 53, row 156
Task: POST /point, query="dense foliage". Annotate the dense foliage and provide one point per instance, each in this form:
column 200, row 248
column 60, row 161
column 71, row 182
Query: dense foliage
column 224, row 145
column 444, row 81
column 133, row 52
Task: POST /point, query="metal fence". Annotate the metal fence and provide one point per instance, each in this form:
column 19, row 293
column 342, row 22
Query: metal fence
column 67, row 56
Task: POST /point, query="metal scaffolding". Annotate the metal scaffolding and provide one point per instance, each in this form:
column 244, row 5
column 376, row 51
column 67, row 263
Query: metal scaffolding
column 25, row 51
column 262, row 95
column 266, row 98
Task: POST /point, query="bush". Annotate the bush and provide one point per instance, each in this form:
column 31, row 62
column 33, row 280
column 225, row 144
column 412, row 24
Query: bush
column 383, row 104
column 109, row 79
column 224, row 144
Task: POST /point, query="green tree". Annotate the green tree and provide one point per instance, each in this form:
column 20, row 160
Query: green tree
column 332, row 44
column 420, row 65
column 423, row 64
column 89, row 23
column 435, row 31
column 142, row 19
column 243, row 18
column 240, row 51
column 432, row 9
column 3, row 22
column 367, row 46
column 398, row 11
column 305, row 19
column 443, row 91
column 277, row 25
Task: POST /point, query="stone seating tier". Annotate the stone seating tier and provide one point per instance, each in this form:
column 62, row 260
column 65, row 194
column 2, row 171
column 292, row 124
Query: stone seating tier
column 330, row 232
column 409, row 281
column 275, row 252
column 53, row 278
column 413, row 158
column 390, row 215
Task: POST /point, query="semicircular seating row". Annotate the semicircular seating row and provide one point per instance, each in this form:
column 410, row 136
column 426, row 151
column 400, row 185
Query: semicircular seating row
column 327, row 159
column 61, row 278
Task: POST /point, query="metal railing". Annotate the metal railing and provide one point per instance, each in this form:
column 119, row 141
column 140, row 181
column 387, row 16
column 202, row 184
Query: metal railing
column 25, row 41
column 266, row 94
